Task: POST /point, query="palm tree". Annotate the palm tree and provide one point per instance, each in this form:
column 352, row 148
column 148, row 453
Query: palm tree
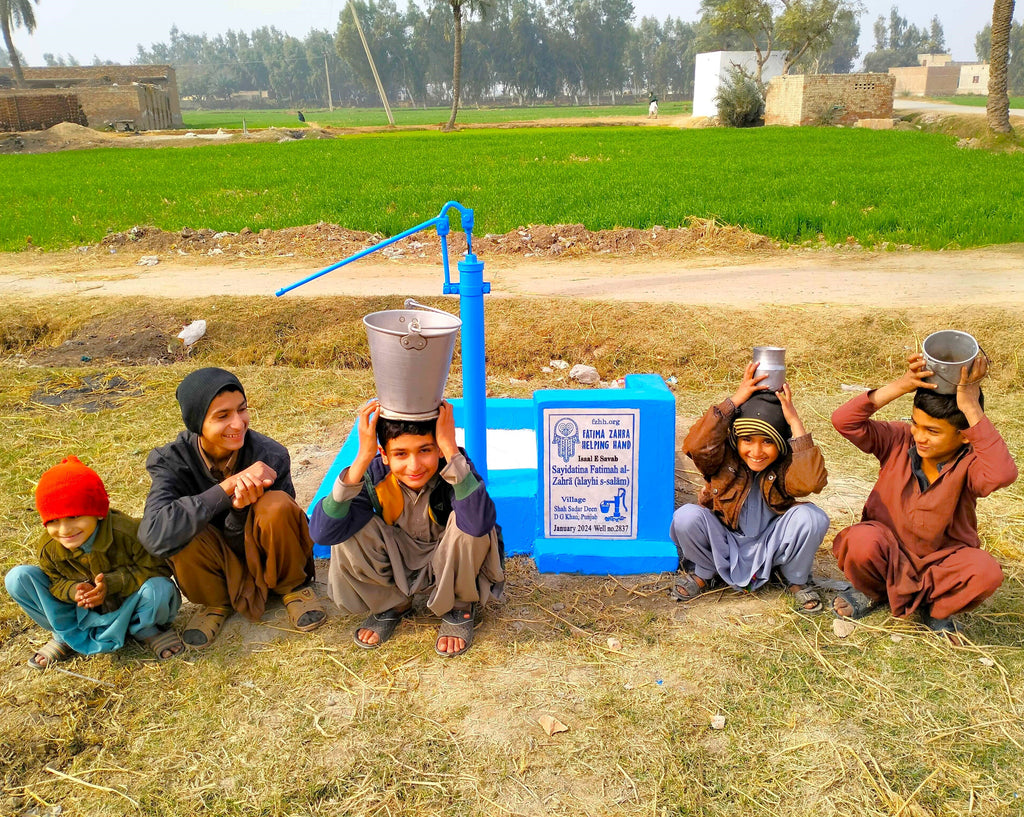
column 14, row 13
column 472, row 7
column 998, row 108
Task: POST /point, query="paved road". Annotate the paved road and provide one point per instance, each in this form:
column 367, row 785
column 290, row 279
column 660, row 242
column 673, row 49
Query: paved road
column 904, row 104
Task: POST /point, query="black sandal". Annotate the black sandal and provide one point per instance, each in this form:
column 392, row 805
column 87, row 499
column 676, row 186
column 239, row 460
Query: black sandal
column 691, row 586
column 860, row 604
column 943, row 626
column 456, row 624
column 383, row 624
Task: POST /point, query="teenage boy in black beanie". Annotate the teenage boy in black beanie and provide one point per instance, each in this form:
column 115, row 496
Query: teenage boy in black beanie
column 222, row 509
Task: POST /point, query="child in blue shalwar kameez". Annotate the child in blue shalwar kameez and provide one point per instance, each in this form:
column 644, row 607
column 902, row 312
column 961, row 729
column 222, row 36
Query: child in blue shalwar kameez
column 95, row 584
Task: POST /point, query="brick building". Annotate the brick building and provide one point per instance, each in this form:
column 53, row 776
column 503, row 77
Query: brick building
column 840, row 99
column 29, row 110
column 144, row 95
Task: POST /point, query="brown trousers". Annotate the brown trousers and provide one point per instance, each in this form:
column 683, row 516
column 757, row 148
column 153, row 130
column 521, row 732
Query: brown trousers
column 277, row 557
column 382, row 567
column 945, row 582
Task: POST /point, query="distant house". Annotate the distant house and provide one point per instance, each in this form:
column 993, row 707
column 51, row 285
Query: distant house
column 973, row 79
column 711, row 70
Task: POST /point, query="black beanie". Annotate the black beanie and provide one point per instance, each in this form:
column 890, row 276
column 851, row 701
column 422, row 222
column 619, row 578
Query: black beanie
column 197, row 390
column 762, row 414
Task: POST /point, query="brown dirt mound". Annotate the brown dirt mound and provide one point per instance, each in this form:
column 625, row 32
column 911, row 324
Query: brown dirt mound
column 537, row 240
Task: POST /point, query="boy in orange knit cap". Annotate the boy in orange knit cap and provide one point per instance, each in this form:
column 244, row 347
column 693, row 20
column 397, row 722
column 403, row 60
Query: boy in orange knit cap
column 95, row 584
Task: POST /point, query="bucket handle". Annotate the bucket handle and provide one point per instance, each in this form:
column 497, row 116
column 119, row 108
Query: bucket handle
column 988, row 360
column 411, row 303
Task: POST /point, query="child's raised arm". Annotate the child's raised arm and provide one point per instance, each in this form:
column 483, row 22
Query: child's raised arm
column 968, row 390
column 751, row 384
column 796, row 425
column 366, row 426
column 910, row 381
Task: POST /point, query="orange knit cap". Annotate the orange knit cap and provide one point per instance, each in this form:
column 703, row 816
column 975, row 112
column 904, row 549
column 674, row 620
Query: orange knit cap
column 71, row 489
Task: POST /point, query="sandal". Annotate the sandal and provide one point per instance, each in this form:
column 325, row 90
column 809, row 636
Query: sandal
column 383, row 624
column 165, row 644
column 53, row 651
column 688, row 586
column 804, row 596
column 204, row 625
column 859, row 603
column 304, row 609
column 456, row 624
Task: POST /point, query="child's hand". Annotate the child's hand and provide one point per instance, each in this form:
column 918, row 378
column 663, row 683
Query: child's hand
column 92, row 595
column 796, row 425
column 366, row 426
column 82, row 590
column 968, row 390
column 910, row 381
column 914, row 377
column 750, row 385
column 250, row 484
column 445, row 433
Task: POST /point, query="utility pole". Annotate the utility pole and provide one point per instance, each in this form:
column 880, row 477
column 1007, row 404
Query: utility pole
column 373, row 68
column 330, row 99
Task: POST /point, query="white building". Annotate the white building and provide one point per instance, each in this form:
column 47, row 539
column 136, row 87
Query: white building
column 973, row 79
column 712, row 69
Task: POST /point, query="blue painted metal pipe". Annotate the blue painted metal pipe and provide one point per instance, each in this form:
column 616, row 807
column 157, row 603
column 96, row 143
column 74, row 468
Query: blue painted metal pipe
column 474, row 379
column 471, row 289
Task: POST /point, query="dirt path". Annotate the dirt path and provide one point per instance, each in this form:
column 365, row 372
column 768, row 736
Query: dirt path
column 993, row 275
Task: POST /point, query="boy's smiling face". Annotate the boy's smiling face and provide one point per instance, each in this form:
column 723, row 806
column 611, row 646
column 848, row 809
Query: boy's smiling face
column 757, row 451
column 72, row 531
column 227, row 420
column 412, row 458
column 937, row 440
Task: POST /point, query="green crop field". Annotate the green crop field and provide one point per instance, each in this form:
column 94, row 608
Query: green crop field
column 788, row 183
column 405, row 117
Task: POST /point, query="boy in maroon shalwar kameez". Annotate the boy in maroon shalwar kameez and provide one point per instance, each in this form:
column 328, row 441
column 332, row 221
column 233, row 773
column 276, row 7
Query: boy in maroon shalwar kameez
column 917, row 546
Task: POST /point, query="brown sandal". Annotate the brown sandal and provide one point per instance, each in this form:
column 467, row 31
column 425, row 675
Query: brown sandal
column 204, row 625
column 304, row 609
column 165, row 642
column 53, row 651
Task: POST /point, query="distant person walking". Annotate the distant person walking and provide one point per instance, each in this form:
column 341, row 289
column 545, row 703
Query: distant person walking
column 652, row 109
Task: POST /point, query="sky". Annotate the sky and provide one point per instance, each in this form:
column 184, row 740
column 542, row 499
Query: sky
column 111, row 29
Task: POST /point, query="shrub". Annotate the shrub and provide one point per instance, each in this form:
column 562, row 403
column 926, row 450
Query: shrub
column 740, row 101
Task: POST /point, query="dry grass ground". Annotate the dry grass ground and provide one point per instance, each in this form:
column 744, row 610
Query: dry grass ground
column 889, row 721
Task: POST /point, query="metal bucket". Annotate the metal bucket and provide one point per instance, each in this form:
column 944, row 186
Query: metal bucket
column 411, row 353
column 946, row 352
column 771, row 360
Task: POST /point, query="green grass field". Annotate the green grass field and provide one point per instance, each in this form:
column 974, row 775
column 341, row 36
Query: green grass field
column 363, row 117
column 980, row 101
column 787, row 183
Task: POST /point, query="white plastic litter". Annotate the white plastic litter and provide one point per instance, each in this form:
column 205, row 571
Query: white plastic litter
column 193, row 332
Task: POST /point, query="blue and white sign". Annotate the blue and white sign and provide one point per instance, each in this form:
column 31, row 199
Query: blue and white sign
column 590, row 467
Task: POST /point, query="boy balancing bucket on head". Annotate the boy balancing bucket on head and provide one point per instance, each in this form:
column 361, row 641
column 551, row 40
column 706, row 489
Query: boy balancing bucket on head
column 410, row 515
